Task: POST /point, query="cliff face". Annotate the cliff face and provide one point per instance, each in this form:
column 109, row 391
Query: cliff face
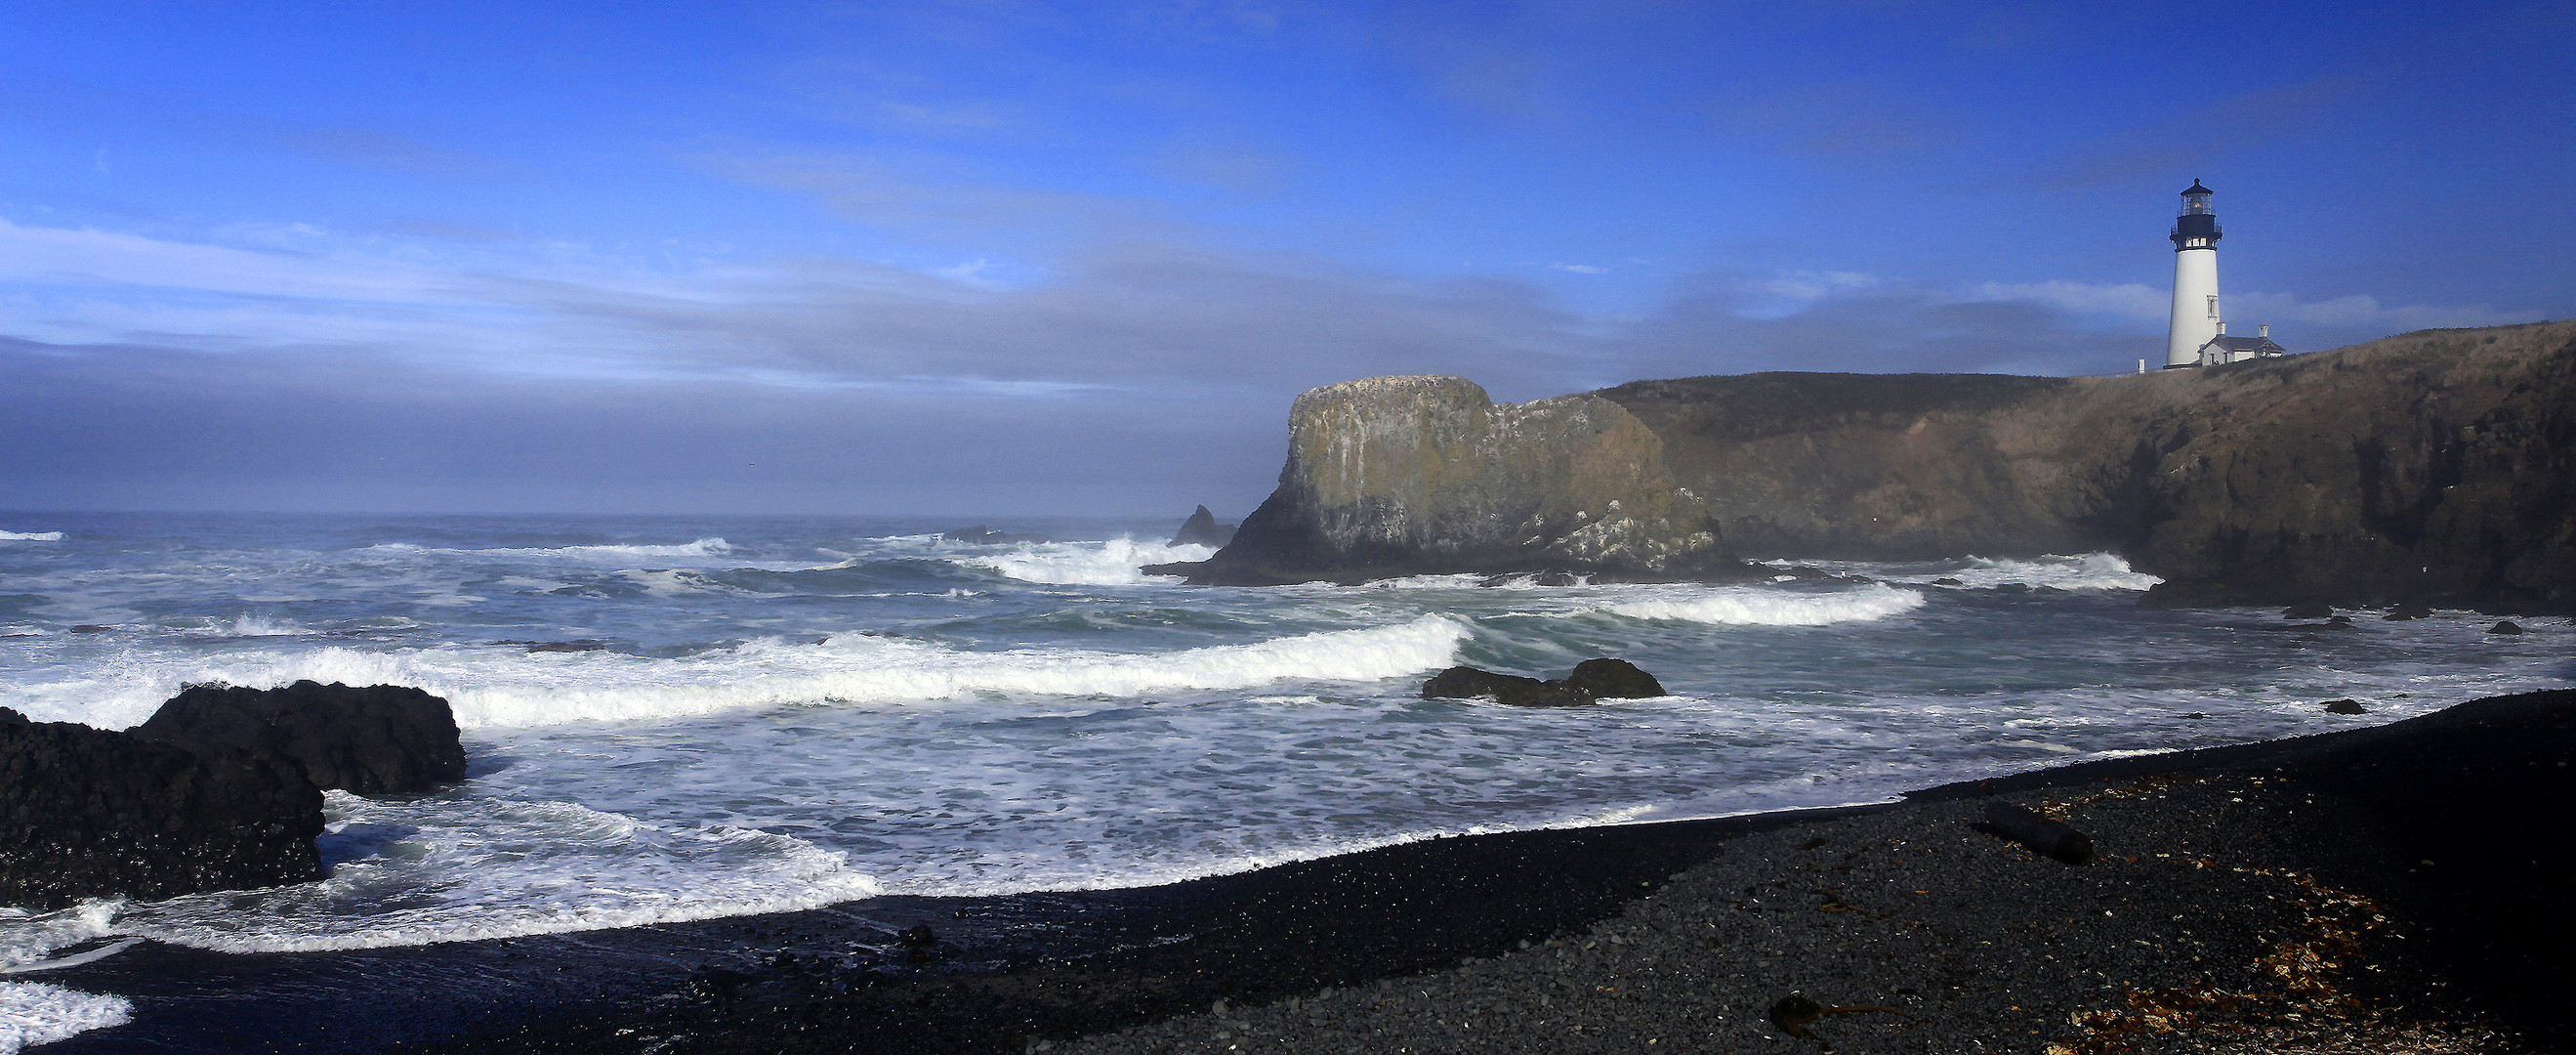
column 1412, row 475
column 2437, row 466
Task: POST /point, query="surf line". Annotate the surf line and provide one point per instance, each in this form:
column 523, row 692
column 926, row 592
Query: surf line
column 75, row 960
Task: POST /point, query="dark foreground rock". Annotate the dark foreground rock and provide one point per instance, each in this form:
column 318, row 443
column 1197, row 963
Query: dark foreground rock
column 89, row 813
column 377, row 740
column 2373, row 890
column 1592, row 680
column 1201, row 529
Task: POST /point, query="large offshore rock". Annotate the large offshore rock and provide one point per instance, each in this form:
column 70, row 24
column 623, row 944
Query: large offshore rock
column 1411, row 475
column 381, row 739
column 1592, row 679
column 1201, row 529
column 88, row 812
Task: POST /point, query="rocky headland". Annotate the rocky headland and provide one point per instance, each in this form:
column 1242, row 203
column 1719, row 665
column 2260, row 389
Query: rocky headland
column 1393, row 476
column 2432, row 467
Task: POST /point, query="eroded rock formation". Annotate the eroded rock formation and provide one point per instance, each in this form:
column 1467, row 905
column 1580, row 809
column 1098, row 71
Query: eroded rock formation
column 1412, row 475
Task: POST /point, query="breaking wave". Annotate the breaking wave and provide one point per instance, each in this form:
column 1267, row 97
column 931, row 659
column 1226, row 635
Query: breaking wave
column 465, row 871
column 1117, row 562
column 510, row 688
column 1757, row 606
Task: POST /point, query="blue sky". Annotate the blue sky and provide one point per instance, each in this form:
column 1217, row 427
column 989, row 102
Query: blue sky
column 999, row 258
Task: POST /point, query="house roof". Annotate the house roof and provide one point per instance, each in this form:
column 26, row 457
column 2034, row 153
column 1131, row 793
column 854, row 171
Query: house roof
column 2260, row 345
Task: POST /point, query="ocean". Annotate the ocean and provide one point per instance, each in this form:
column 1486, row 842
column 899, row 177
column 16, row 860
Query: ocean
column 735, row 716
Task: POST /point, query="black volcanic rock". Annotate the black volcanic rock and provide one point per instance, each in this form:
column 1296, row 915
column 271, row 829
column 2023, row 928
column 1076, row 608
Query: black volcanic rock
column 382, row 739
column 1201, row 529
column 2505, row 626
column 1613, row 679
column 1467, row 683
column 1593, row 679
column 88, row 813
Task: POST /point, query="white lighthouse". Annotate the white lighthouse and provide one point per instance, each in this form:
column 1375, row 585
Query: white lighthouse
column 2195, row 289
column 2199, row 335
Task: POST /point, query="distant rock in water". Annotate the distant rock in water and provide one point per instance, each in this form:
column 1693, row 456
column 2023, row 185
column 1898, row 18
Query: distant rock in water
column 2344, row 707
column 1396, row 476
column 1593, row 679
column 378, row 740
column 2505, row 626
column 93, row 813
column 1201, row 529
column 981, row 535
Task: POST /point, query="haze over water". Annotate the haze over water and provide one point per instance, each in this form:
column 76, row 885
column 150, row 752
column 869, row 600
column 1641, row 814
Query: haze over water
column 776, row 714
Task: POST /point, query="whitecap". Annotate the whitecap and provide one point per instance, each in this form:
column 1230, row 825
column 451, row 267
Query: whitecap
column 467, row 870
column 512, row 688
column 31, row 536
column 1116, row 562
column 1771, row 607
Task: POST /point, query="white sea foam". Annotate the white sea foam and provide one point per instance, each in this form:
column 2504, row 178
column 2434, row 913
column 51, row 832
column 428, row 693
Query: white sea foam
column 33, row 1013
column 2091, row 571
column 2088, row 571
column 705, row 547
column 511, row 688
column 28, row 938
column 31, row 536
column 247, row 625
column 466, row 870
column 1117, row 562
column 1761, row 606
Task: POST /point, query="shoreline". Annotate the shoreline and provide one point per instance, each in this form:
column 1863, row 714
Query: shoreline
column 1526, row 940
column 1685, row 933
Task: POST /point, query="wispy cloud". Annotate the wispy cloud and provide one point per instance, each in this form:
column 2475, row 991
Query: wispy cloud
column 2356, row 312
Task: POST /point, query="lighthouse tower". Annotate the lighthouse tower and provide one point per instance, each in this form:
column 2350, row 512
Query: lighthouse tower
column 2195, row 289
